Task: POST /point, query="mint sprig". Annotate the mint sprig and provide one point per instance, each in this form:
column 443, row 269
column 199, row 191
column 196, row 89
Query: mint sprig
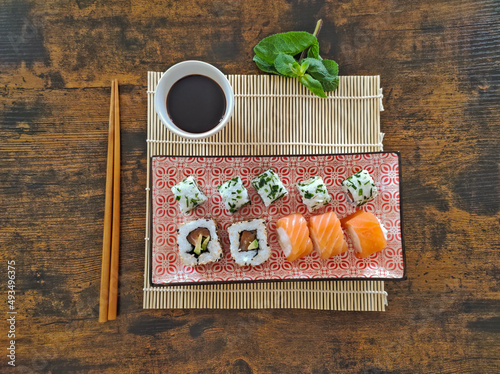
column 275, row 54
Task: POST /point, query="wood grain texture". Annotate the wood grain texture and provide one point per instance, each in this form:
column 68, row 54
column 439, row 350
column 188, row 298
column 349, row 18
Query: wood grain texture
column 439, row 67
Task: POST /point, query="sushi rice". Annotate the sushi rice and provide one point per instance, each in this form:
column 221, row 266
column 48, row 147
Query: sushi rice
column 360, row 188
column 269, row 187
column 188, row 194
column 314, row 193
column 251, row 257
column 212, row 252
column 234, row 194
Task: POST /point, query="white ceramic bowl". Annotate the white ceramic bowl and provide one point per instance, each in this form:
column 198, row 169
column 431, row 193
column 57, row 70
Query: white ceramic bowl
column 181, row 70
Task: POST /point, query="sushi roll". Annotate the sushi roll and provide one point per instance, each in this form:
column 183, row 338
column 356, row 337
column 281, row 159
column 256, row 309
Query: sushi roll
column 360, row 188
column 188, row 194
column 269, row 187
column 249, row 242
column 234, row 194
column 198, row 242
column 327, row 236
column 314, row 193
column 293, row 236
column 367, row 233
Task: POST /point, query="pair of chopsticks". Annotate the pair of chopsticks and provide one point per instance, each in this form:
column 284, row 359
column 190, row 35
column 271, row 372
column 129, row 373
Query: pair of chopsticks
column 111, row 236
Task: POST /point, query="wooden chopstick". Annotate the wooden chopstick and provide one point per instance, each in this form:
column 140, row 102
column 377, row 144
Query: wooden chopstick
column 115, row 239
column 108, row 215
column 111, row 236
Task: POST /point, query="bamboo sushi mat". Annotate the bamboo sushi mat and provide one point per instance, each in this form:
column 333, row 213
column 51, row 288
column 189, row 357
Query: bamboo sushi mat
column 274, row 116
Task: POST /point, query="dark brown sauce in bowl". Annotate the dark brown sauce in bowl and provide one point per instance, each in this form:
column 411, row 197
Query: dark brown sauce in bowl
column 196, row 104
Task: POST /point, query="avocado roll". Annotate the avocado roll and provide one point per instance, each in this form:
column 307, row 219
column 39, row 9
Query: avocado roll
column 360, row 188
column 269, row 187
column 248, row 242
column 314, row 193
column 188, row 194
column 198, row 242
column 234, row 194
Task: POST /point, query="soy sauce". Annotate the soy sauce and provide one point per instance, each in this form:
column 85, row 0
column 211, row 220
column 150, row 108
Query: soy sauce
column 196, row 104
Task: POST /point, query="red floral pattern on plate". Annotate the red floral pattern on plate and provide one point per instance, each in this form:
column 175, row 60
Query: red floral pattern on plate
column 213, row 171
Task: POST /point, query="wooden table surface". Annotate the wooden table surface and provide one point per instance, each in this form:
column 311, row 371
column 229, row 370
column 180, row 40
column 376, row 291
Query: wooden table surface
column 439, row 67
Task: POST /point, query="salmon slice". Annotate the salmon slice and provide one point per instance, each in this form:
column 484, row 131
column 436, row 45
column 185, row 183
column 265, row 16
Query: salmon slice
column 327, row 236
column 293, row 236
column 367, row 234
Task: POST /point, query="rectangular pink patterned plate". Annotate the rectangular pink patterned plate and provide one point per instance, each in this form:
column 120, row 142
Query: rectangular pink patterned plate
column 166, row 267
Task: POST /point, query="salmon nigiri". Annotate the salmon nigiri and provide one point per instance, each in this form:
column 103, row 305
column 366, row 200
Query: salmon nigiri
column 327, row 235
column 367, row 234
column 293, row 236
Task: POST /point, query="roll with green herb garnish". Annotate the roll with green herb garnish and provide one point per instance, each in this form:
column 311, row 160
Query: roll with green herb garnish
column 188, row 194
column 314, row 193
column 249, row 242
column 269, row 187
column 360, row 188
column 198, row 242
column 234, row 194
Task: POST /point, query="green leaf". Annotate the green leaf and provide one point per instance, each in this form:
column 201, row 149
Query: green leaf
column 333, row 69
column 331, row 66
column 325, row 71
column 303, row 67
column 264, row 66
column 296, row 69
column 330, row 85
column 290, row 43
column 313, row 51
column 286, row 65
column 313, row 85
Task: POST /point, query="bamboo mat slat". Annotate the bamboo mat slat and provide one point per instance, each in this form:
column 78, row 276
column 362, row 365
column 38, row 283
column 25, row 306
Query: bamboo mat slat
column 274, row 116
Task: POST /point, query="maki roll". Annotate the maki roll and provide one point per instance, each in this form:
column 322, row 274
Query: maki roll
column 234, row 194
column 198, row 242
column 360, row 188
column 188, row 194
column 314, row 193
column 249, row 242
column 269, row 187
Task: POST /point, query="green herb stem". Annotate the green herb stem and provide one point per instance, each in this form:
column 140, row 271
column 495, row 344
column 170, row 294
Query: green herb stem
column 317, row 29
